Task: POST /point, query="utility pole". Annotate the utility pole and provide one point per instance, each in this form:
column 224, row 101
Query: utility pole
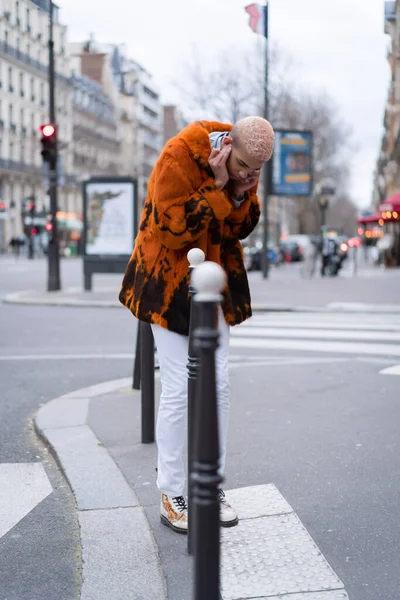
column 54, row 283
column 267, row 166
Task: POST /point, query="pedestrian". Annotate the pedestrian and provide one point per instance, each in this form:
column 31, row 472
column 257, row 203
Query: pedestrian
column 201, row 193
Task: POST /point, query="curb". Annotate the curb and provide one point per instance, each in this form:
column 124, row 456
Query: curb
column 119, row 554
column 22, row 298
column 334, row 307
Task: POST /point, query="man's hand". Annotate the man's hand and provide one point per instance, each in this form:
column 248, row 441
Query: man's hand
column 240, row 187
column 217, row 162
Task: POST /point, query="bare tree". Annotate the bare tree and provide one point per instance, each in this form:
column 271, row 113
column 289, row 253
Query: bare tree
column 233, row 87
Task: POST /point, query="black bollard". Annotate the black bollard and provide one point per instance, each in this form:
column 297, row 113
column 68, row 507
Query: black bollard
column 208, row 280
column 136, row 364
column 195, row 258
column 147, row 381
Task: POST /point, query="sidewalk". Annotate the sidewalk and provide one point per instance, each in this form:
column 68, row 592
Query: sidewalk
column 127, row 553
column 371, row 290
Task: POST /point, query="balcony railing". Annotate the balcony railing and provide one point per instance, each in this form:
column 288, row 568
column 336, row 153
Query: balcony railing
column 6, row 48
column 86, row 134
column 22, row 167
column 12, row 165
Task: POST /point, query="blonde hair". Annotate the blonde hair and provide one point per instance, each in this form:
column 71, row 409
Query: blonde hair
column 255, row 136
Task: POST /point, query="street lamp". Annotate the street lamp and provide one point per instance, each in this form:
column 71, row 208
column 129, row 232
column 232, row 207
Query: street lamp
column 326, row 193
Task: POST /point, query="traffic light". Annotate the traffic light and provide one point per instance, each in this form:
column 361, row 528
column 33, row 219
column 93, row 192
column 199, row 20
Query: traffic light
column 32, row 208
column 49, row 143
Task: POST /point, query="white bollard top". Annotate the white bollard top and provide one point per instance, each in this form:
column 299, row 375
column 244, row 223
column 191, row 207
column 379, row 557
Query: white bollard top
column 195, row 257
column 209, row 280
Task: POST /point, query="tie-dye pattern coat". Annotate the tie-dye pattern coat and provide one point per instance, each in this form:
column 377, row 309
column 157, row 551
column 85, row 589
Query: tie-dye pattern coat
column 184, row 209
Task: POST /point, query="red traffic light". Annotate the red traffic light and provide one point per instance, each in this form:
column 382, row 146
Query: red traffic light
column 33, row 231
column 48, row 130
column 49, row 226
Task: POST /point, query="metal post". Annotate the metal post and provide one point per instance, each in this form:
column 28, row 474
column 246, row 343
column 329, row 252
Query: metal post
column 209, row 280
column 32, row 212
column 31, row 253
column 54, row 282
column 195, row 258
column 355, row 260
column 147, row 373
column 136, row 366
column 267, row 166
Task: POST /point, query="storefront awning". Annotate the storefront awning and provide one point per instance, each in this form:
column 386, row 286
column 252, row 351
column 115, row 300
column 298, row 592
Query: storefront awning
column 369, row 219
column 390, row 209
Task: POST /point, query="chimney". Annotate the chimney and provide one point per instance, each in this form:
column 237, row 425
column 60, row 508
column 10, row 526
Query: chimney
column 92, row 65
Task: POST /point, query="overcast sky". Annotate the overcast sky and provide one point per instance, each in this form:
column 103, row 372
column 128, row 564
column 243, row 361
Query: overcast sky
column 339, row 46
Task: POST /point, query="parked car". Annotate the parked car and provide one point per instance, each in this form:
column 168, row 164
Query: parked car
column 291, row 250
column 253, row 254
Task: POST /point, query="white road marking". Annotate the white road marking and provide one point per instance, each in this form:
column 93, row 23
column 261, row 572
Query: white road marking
column 22, row 487
column 338, row 334
column 316, row 346
column 22, row 357
column 313, row 324
column 395, row 370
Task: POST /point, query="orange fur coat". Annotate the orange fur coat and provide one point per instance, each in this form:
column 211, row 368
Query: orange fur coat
column 184, row 209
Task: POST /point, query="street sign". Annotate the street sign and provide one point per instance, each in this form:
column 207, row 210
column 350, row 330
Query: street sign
column 292, row 163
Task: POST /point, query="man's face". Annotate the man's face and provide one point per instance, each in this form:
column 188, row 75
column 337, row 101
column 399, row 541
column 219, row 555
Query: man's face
column 241, row 167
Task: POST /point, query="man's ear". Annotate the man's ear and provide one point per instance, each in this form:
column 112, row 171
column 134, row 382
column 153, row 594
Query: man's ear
column 227, row 141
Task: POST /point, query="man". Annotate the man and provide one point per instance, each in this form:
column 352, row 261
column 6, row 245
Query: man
column 201, row 193
column 330, row 248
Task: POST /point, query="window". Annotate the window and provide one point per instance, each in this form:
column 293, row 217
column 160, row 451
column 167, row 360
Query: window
column 32, row 89
column 42, row 94
column 6, row 37
column 149, row 112
column 10, row 114
column 10, row 80
column 28, row 24
column 150, row 93
column 21, row 85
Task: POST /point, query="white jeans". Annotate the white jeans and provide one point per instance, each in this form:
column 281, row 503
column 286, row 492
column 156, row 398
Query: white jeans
column 172, row 351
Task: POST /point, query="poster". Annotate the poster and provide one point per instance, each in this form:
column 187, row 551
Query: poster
column 292, row 163
column 109, row 217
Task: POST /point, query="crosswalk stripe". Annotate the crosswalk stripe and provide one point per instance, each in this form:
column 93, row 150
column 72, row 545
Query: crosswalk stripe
column 339, row 334
column 22, row 487
column 316, row 346
column 395, row 370
column 287, row 323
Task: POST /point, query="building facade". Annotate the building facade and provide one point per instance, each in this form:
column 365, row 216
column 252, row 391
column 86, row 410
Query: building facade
column 24, row 106
column 387, row 172
column 138, row 110
column 386, row 195
column 143, row 115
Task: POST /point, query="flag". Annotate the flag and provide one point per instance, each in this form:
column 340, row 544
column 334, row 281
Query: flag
column 258, row 18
